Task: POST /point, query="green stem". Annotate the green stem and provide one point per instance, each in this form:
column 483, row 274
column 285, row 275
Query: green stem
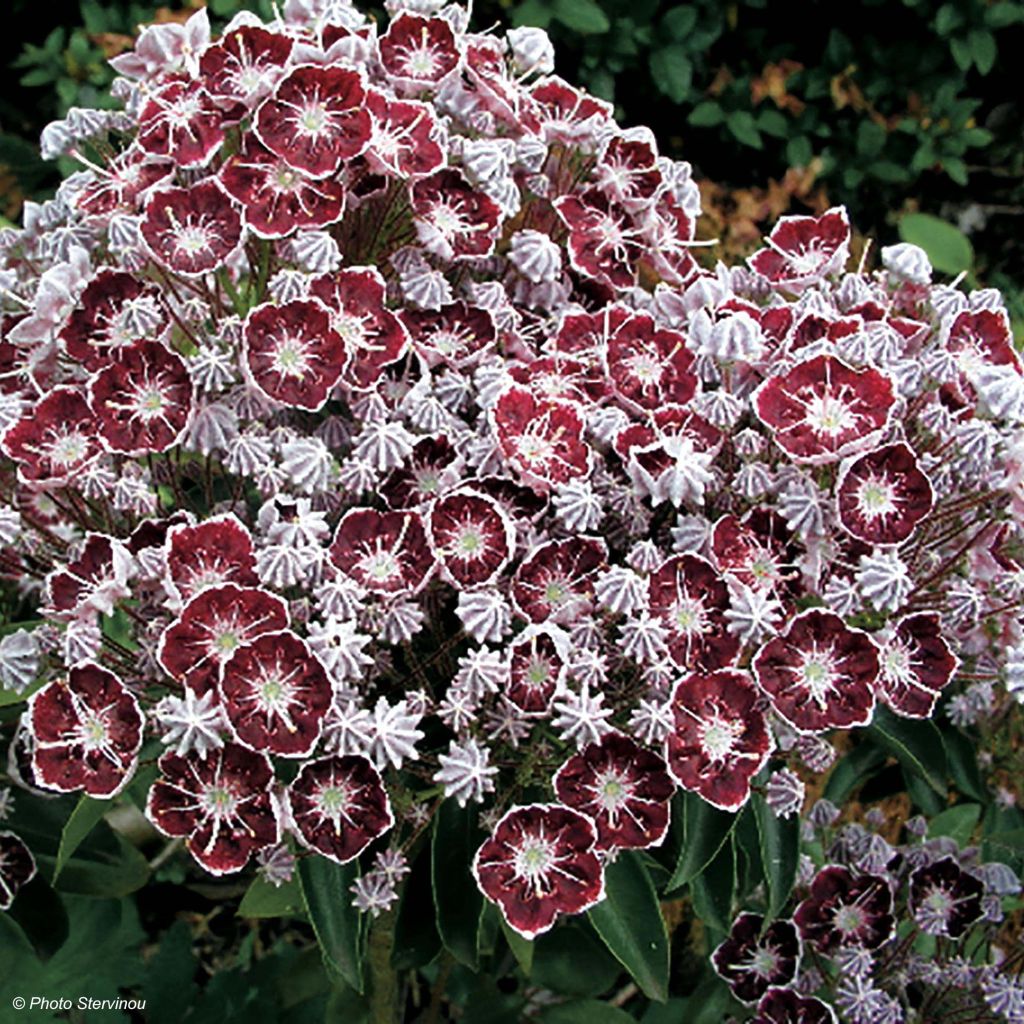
column 383, row 978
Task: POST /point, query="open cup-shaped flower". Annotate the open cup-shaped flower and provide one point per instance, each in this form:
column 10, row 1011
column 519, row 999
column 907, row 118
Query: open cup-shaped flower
column 87, row 731
column 338, row 806
column 17, row 867
column 754, row 958
column 540, row 863
column 220, row 804
column 845, row 909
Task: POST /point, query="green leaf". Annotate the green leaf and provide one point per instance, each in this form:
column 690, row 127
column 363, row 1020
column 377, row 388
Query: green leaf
column 963, row 763
column 169, row 986
column 264, row 899
column 522, row 949
column 1007, row 847
column 852, row 771
column 705, row 830
column 536, row 13
column 713, row 889
column 328, row 901
column 706, row 115
column 1002, row 15
column 40, row 913
column 416, row 940
column 82, row 821
column 572, row 961
column 983, row 49
column 680, row 21
column 743, row 127
column 956, row 169
column 962, row 53
column 947, row 18
column 779, row 844
column 916, row 745
column 957, row 822
column 799, row 151
column 629, row 921
column 584, row 16
column 457, row 898
column 672, row 72
column 585, row 1011
column 948, row 248
column 773, row 122
column 870, row 138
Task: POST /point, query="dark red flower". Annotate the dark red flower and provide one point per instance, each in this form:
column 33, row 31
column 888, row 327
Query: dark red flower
column 54, row 441
column 315, row 119
column 691, row 598
column 883, row 495
column 192, row 231
column 566, row 113
column 784, row 1006
column 914, row 665
column 221, row 805
column 802, row 250
column 276, row 199
column 421, row 477
column 124, row 181
column 754, row 958
column 404, row 137
column 373, row 337
column 820, row 674
column 623, row 787
column 649, row 367
column 275, row 693
column 627, row 170
column 604, row 241
column 542, row 439
column 719, row 739
column 555, row 582
column 418, row 53
column 822, row 409
column 756, row 550
column 540, row 863
column 385, row 552
column 456, row 335
column 844, row 909
column 471, row 537
column 17, row 868
column 245, row 65
column 452, row 218
column 114, row 311
column 487, row 71
column 292, row 353
column 945, row 899
column 179, row 120
column 536, row 670
column 338, row 806
column 212, row 626
column 219, row 550
column 93, row 582
column 143, row 401
column 87, row 731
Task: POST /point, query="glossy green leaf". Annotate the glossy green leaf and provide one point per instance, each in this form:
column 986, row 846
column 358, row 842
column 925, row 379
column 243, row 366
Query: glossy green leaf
column 779, row 847
column 573, row 961
column 713, row 889
column 326, row 894
column 672, row 71
column 743, row 127
column 264, row 899
column 706, row 115
column 522, row 949
column 963, row 763
column 956, row 822
column 916, row 745
column 948, row 248
column 584, row 16
column 457, row 898
column 629, row 921
column 705, row 829
column 83, row 819
column 40, row 913
column 416, row 941
column 585, row 1011
column 853, row 771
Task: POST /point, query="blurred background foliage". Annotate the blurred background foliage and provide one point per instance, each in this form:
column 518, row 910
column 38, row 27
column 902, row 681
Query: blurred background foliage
column 888, row 106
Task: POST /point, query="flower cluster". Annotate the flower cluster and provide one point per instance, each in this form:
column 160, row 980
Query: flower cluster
column 882, row 934
column 364, row 407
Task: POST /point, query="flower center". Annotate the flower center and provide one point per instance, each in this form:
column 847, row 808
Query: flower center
column 719, row 735
column 848, row 919
column 613, row 791
column 690, row 616
column 69, row 449
column 192, row 239
column 219, row 801
column 533, row 860
column 764, row 961
column 538, row 672
column 291, row 359
column 876, row 498
column 817, row 676
column 828, row 414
